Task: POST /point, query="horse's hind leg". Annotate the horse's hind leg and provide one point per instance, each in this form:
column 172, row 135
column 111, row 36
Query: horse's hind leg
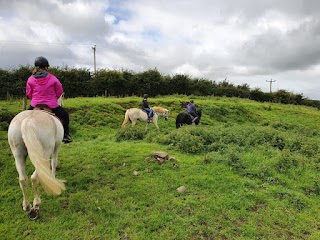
column 35, row 187
column 36, row 182
column 54, row 160
column 156, row 124
column 20, row 160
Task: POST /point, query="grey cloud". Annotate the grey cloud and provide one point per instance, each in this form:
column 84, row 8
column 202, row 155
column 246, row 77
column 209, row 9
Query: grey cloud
column 209, row 38
column 275, row 51
column 88, row 26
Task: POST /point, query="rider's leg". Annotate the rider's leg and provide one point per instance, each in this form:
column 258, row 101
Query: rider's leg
column 195, row 117
column 149, row 113
column 64, row 116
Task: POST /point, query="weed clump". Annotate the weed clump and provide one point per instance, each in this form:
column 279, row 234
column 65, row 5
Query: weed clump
column 5, row 119
column 130, row 133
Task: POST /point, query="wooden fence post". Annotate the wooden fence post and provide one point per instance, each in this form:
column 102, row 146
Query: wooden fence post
column 24, row 103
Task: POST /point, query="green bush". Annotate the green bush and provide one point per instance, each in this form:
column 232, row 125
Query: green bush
column 5, row 119
column 130, row 133
column 189, row 143
column 313, row 188
column 287, row 161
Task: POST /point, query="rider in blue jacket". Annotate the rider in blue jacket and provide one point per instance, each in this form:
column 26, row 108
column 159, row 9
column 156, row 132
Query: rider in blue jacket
column 145, row 107
column 192, row 110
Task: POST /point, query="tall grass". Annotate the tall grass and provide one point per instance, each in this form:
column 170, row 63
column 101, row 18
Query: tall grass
column 251, row 171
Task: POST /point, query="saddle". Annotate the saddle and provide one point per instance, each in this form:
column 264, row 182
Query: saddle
column 45, row 108
column 148, row 113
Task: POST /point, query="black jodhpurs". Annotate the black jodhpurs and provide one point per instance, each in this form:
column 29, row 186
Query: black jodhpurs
column 193, row 114
column 62, row 114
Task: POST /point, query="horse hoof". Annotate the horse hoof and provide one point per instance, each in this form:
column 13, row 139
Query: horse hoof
column 34, row 214
column 27, row 208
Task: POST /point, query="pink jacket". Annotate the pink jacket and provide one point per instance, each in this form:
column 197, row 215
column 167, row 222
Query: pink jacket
column 45, row 90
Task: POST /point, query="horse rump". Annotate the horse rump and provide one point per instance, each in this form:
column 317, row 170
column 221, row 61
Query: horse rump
column 183, row 118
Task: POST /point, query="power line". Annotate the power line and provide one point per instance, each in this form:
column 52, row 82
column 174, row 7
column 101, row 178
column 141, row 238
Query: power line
column 45, row 43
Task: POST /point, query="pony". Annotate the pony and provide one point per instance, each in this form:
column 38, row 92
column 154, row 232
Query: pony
column 185, row 118
column 38, row 134
column 135, row 114
column 161, row 112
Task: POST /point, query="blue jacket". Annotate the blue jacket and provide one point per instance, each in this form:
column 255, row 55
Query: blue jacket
column 191, row 108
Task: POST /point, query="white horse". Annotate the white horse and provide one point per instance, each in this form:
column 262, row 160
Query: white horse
column 39, row 135
column 161, row 112
column 135, row 114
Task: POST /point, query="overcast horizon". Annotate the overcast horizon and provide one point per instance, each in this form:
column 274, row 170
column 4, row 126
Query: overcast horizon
column 247, row 42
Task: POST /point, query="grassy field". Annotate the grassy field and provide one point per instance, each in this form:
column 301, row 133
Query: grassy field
column 251, row 171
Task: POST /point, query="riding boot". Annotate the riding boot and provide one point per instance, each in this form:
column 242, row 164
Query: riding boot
column 194, row 119
column 66, row 137
column 149, row 120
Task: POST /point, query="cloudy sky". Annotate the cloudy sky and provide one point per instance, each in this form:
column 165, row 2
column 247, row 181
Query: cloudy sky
column 245, row 41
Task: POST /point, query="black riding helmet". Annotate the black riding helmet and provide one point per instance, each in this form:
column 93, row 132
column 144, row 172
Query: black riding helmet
column 145, row 96
column 41, row 62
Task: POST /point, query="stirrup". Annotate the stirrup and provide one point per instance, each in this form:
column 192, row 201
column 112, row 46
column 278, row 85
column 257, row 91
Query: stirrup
column 67, row 139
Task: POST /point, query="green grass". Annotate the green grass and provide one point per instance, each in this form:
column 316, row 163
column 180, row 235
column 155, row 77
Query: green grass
column 251, row 171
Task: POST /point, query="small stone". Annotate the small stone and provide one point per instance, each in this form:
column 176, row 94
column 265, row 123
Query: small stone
column 136, row 173
column 175, row 165
column 160, row 160
column 181, row 189
column 161, row 154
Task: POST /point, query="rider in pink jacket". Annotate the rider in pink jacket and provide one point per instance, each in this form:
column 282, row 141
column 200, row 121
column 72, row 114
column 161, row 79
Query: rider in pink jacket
column 44, row 88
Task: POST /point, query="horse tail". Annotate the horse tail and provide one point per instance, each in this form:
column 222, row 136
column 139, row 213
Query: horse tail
column 36, row 151
column 126, row 119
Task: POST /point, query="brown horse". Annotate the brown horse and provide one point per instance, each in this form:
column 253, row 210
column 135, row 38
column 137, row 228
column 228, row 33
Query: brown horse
column 161, row 112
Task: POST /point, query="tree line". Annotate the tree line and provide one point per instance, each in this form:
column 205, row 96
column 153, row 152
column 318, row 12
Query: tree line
column 119, row 83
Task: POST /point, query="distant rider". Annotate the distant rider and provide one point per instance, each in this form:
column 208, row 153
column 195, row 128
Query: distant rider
column 192, row 110
column 145, row 107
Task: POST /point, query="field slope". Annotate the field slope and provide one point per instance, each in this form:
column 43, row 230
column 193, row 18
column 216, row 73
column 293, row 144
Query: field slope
column 251, row 171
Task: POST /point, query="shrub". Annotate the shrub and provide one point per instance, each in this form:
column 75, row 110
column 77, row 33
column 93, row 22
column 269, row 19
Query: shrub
column 5, row 119
column 286, row 162
column 130, row 133
column 189, row 143
column 313, row 189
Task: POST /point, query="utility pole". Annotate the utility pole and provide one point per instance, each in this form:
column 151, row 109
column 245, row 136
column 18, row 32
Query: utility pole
column 271, row 81
column 94, row 59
